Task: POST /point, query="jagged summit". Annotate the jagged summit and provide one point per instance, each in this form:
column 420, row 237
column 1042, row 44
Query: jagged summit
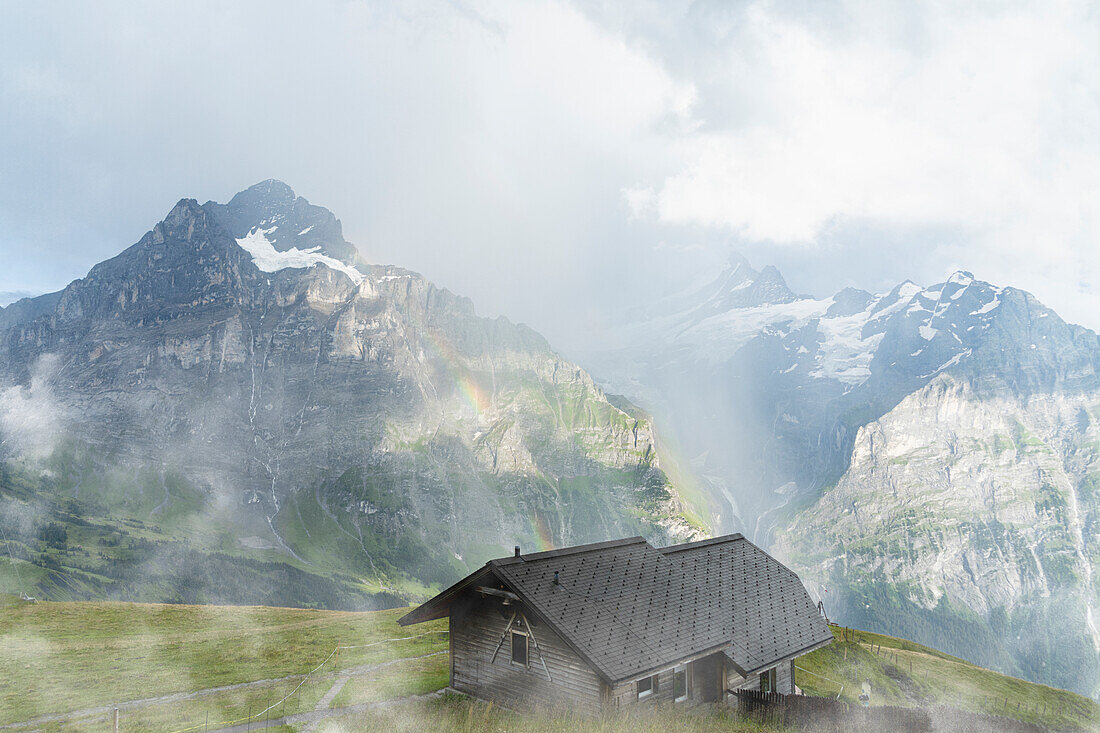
column 737, row 286
column 288, row 221
column 271, row 193
column 181, row 222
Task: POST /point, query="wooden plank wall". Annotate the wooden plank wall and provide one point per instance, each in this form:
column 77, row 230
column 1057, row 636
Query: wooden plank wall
column 784, row 679
column 627, row 694
column 475, row 633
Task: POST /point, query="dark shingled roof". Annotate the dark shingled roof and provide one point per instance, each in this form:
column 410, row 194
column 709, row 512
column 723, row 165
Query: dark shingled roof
column 629, row 608
column 772, row 615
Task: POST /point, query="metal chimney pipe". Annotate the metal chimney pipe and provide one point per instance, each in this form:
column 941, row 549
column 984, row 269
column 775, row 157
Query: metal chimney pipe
column 556, row 582
column 517, row 550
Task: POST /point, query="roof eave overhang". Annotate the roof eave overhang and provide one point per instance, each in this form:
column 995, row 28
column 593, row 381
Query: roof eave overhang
column 440, row 605
column 812, row 647
column 669, row 664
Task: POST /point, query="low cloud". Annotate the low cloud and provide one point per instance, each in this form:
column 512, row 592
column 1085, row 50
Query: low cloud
column 30, row 418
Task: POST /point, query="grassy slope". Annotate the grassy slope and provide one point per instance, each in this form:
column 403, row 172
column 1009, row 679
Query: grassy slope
column 458, row 714
column 59, row 657
column 124, row 550
column 907, row 674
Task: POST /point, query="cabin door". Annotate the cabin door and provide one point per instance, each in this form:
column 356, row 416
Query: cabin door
column 708, row 678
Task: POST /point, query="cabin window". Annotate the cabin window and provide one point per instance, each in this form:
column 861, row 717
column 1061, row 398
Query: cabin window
column 647, row 686
column 767, row 681
column 519, row 648
column 680, row 683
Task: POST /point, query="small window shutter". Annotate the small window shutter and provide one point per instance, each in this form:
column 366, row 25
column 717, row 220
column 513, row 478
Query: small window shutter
column 519, row 648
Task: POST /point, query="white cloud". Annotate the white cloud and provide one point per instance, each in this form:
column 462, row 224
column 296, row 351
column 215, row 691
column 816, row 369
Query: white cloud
column 981, row 120
column 29, row 416
column 529, row 154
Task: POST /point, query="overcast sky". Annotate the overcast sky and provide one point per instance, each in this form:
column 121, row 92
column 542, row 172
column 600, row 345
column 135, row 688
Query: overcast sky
column 557, row 162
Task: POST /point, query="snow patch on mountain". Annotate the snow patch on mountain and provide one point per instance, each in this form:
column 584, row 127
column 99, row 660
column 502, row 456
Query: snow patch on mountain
column 989, row 307
column 845, row 355
column 269, row 259
column 720, row 336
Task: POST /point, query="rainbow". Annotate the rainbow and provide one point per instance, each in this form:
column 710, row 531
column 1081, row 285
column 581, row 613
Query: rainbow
column 543, row 538
column 480, row 400
column 447, row 357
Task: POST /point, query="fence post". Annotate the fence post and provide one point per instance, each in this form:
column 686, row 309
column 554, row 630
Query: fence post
column 116, row 720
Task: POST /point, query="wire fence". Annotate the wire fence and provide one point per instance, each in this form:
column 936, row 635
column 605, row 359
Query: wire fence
column 333, row 655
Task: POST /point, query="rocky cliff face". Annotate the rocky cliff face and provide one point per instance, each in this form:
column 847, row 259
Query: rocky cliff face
column 928, row 455
column 317, row 410
column 971, row 520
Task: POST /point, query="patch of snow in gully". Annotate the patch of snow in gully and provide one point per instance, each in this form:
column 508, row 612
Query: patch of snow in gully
column 269, row 259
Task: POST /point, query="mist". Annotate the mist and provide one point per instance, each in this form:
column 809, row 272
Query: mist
column 30, row 416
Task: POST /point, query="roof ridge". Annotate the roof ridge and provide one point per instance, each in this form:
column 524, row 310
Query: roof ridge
column 574, row 550
column 701, row 543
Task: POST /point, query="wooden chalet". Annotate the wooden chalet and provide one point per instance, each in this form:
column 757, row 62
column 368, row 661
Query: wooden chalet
column 623, row 623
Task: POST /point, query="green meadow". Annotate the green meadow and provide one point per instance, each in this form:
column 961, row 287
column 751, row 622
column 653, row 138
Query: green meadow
column 178, row 668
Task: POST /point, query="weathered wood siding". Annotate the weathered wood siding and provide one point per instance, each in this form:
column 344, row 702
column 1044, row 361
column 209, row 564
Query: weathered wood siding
column 627, row 694
column 704, row 685
column 784, row 679
column 476, row 629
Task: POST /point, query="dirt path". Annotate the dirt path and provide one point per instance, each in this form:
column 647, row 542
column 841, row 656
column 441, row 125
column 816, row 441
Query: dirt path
column 312, row 718
column 326, row 701
column 130, row 704
column 342, row 678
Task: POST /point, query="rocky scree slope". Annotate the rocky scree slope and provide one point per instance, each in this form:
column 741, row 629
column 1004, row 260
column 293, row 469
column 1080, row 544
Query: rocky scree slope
column 241, row 379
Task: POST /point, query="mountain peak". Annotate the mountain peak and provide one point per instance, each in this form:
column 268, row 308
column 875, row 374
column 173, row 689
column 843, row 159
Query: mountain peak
column 288, row 221
column 771, row 273
column 265, row 199
column 848, row 302
column 182, row 222
column 739, row 286
column 736, row 261
column 271, row 189
column 961, row 277
column 184, row 210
